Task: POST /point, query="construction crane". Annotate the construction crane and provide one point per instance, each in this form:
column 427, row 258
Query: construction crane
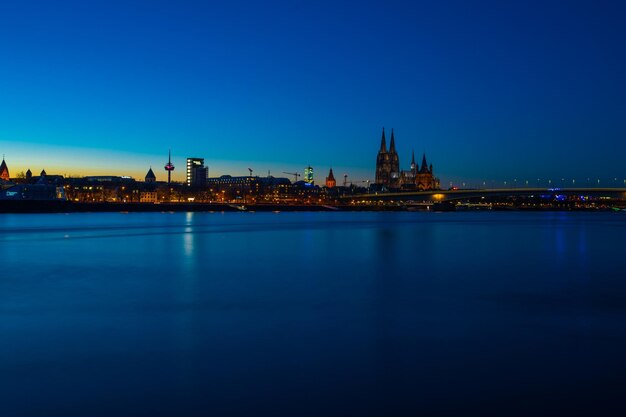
column 250, row 169
column 295, row 174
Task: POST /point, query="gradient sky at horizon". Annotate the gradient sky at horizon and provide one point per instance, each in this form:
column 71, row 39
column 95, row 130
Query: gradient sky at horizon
column 489, row 90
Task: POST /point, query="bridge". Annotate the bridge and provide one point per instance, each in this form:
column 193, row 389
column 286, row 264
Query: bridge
column 477, row 194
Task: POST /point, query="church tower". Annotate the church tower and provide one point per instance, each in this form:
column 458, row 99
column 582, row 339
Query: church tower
column 4, row 171
column 150, row 177
column 389, row 175
column 425, row 180
column 383, row 163
column 395, row 163
column 330, row 180
column 388, row 163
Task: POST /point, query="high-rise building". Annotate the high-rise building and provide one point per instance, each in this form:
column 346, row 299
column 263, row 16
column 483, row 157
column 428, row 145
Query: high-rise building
column 330, row 180
column 4, row 171
column 197, row 173
column 308, row 174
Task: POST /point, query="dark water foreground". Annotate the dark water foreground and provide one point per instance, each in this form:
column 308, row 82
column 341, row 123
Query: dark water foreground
column 313, row 314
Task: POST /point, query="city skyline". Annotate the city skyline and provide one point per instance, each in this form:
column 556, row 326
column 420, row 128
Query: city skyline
column 127, row 166
column 491, row 92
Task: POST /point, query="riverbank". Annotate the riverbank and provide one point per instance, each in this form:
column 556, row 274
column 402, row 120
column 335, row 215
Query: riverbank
column 59, row 206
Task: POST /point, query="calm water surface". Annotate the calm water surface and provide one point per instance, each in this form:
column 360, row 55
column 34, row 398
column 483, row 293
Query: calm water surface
column 313, row 314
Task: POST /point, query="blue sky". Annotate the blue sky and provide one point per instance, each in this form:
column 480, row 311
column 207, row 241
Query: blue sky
column 490, row 91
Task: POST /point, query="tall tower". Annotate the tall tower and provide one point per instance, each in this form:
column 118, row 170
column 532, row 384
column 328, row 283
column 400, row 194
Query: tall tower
column 424, row 169
column 169, row 167
column 425, row 180
column 394, row 163
column 388, row 163
column 4, row 170
column 308, row 174
column 196, row 172
column 383, row 168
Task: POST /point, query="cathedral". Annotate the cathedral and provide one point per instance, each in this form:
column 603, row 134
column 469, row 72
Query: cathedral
column 389, row 175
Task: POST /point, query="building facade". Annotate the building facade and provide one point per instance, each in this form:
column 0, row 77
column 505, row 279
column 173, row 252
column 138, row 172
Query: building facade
column 197, row 173
column 388, row 163
column 308, row 174
column 389, row 175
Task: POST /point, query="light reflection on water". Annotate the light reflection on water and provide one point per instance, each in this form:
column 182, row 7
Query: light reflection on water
column 310, row 313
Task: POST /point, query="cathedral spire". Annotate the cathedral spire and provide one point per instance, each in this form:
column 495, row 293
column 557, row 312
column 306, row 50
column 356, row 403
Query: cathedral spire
column 383, row 142
column 424, row 164
column 413, row 160
column 392, row 143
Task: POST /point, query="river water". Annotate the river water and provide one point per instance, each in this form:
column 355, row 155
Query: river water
column 312, row 314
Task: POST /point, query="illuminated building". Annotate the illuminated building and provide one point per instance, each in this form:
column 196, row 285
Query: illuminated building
column 169, row 167
column 417, row 178
column 388, row 172
column 388, row 163
column 148, row 197
column 37, row 191
column 150, row 177
column 196, row 172
column 330, row 180
column 229, row 187
column 308, row 174
column 103, row 188
column 4, row 171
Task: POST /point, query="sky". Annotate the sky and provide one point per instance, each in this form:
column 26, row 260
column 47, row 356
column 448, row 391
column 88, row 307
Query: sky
column 489, row 90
